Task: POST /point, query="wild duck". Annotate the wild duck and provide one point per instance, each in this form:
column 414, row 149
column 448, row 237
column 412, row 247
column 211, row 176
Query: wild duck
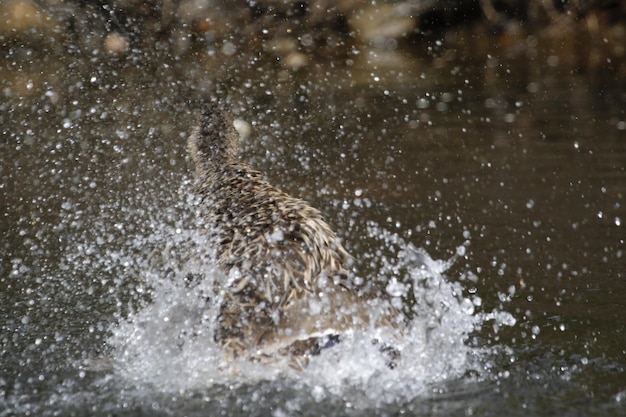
column 288, row 289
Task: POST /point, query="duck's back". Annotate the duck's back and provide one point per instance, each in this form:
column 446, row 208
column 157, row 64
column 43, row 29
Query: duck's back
column 288, row 273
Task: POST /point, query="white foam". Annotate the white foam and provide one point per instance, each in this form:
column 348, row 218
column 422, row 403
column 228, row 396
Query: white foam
column 169, row 342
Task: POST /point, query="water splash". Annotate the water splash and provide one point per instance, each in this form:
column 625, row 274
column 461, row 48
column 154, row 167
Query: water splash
column 168, row 343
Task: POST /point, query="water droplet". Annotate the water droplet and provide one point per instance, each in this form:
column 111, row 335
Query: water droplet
column 395, row 288
column 229, row 48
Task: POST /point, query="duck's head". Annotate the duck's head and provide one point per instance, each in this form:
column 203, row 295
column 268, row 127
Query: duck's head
column 213, row 141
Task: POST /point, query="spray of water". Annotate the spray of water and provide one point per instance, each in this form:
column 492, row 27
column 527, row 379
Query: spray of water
column 168, row 341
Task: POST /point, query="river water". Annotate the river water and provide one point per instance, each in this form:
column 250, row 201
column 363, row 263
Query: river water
column 493, row 187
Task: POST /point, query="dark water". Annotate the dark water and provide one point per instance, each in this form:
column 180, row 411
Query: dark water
column 520, row 164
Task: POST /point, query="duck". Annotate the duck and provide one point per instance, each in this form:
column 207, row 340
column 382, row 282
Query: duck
column 288, row 290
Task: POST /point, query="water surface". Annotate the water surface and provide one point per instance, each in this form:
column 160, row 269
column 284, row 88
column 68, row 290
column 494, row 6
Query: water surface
column 514, row 171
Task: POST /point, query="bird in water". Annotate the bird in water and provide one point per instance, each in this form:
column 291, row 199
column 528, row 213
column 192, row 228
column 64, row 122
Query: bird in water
column 288, row 290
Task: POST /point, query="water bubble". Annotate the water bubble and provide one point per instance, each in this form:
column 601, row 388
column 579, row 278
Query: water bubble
column 229, row 48
column 276, row 236
column 470, row 276
column 318, row 393
column 467, row 306
column 395, row 288
column 423, row 103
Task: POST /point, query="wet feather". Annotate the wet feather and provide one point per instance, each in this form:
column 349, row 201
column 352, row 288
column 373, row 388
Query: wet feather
column 291, row 272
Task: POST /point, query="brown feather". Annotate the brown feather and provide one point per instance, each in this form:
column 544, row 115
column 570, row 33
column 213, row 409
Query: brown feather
column 294, row 279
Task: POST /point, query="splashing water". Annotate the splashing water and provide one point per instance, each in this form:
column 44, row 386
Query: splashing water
column 168, row 342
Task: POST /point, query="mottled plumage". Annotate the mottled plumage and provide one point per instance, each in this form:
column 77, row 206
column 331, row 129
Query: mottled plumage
column 288, row 286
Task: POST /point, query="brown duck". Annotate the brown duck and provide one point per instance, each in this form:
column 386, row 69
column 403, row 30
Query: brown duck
column 288, row 290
